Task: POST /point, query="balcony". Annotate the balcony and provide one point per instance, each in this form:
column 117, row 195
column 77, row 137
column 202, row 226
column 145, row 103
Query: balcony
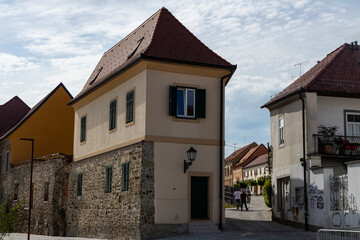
column 338, row 146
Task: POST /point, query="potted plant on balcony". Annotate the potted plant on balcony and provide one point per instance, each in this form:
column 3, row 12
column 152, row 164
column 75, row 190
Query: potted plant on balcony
column 327, row 137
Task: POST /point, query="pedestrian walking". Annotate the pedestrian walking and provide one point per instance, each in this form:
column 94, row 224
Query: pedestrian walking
column 243, row 197
column 237, row 194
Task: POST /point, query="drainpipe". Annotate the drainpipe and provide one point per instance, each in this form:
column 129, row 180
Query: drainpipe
column 222, row 114
column 304, row 160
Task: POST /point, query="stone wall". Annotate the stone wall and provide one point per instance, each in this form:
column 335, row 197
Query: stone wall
column 47, row 217
column 117, row 214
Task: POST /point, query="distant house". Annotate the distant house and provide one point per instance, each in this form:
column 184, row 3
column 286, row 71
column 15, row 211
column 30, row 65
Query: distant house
column 10, row 114
column 249, row 157
column 232, row 160
column 153, row 98
column 51, row 124
column 256, row 169
column 327, row 95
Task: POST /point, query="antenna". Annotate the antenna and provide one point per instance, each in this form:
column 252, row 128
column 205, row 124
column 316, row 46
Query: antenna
column 235, row 147
column 300, row 63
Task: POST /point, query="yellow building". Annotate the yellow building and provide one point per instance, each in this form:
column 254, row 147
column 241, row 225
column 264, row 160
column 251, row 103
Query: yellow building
column 50, row 123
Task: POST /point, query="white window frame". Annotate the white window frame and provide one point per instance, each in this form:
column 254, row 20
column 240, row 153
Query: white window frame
column 347, row 113
column 281, row 131
column 185, row 98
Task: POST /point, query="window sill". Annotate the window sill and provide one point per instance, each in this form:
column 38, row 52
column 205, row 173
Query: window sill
column 112, row 130
column 130, row 123
column 83, row 142
column 190, row 120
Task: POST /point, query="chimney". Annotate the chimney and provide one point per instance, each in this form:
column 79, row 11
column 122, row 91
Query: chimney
column 352, row 46
column 356, row 45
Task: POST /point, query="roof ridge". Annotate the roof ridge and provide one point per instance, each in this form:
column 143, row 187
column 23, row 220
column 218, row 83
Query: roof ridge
column 328, row 64
column 136, row 29
column 188, row 32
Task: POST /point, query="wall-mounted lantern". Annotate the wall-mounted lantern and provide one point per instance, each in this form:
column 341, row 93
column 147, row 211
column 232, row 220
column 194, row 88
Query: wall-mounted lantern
column 191, row 154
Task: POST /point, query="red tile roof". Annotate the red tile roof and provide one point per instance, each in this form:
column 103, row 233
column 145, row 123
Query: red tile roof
column 161, row 37
column 32, row 111
column 337, row 74
column 251, row 155
column 238, row 154
column 257, row 161
column 11, row 113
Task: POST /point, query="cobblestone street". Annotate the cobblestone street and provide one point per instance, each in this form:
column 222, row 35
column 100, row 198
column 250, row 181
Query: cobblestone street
column 254, row 224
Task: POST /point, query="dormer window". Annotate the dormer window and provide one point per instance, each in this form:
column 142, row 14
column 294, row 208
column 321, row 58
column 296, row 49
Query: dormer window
column 136, row 47
column 97, row 74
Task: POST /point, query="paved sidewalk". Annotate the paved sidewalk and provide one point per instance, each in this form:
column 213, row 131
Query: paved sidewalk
column 23, row 236
column 254, row 224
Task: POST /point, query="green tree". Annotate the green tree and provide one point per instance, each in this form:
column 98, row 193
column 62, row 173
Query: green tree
column 261, row 181
column 10, row 217
column 267, row 192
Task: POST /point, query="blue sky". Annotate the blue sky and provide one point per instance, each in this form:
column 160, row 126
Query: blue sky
column 43, row 43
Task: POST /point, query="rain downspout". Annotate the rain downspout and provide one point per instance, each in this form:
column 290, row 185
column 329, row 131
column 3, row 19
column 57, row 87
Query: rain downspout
column 304, row 160
column 222, row 114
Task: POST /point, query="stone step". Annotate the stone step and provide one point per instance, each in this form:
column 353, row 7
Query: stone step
column 203, row 228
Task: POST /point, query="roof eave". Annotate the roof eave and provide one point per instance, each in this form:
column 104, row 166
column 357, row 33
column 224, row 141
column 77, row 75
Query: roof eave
column 267, row 105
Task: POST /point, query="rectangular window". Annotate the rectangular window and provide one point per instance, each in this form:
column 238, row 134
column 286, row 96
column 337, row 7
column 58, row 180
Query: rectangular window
column 130, row 107
column 299, row 198
column 125, row 177
column 83, row 129
column 112, row 117
column 16, row 191
column 79, row 184
column 108, row 179
column 187, row 102
column 7, row 162
column 353, row 124
column 46, row 191
column 281, row 131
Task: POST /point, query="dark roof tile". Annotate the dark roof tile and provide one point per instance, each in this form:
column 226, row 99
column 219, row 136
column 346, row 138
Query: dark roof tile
column 11, row 113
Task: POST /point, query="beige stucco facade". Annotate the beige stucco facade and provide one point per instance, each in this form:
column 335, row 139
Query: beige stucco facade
column 171, row 136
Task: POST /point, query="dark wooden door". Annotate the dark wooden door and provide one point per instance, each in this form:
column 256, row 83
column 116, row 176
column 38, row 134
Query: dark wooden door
column 199, row 198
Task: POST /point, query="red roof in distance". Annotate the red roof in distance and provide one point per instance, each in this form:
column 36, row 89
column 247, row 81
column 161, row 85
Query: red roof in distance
column 11, row 113
column 338, row 74
column 262, row 159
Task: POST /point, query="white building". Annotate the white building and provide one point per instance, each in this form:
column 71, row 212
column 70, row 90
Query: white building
column 328, row 94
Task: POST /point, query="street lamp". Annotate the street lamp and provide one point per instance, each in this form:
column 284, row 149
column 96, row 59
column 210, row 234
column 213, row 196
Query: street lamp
column 191, row 154
column 31, row 175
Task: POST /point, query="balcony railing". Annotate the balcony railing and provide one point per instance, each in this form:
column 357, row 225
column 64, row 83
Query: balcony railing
column 339, row 145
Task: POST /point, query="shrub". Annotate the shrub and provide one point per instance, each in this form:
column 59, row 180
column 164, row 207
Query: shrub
column 261, row 181
column 10, row 217
column 267, row 191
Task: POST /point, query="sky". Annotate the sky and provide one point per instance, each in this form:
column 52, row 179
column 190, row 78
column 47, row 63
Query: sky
column 43, row 43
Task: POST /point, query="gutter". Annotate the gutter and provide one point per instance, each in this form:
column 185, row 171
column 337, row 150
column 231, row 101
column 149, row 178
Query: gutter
column 221, row 159
column 306, row 215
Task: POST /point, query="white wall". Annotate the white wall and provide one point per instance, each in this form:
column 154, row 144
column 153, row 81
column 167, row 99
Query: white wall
column 331, row 111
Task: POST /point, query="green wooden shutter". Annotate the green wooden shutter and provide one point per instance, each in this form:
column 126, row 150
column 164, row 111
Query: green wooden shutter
column 172, row 100
column 112, row 117
column 130, row 106
column 108, row 179
column 79, row 184
column 125, row 177
column 200, row 103
column 83, row 129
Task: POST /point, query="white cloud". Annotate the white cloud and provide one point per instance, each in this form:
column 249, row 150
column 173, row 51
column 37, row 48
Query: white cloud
column 10, row 63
